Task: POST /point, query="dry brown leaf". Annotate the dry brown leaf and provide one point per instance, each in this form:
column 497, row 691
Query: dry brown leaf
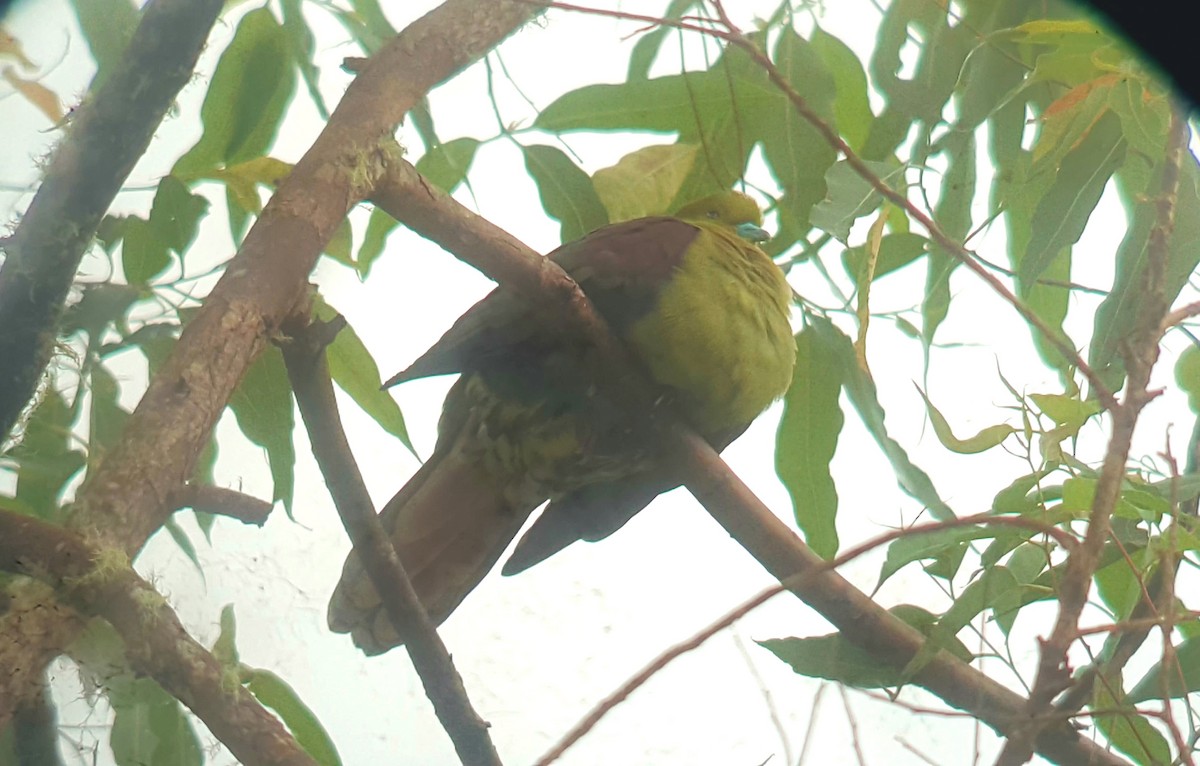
column 37, row 94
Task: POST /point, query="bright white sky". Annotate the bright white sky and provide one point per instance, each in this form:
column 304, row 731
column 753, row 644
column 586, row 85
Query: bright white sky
column 539, row 650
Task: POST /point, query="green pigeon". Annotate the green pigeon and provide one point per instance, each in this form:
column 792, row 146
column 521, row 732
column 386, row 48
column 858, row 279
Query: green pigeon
column 705, row 313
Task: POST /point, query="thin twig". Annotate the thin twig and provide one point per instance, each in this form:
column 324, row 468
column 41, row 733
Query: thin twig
column 768, row 698
column 304, row 356
column 811, row 730
column 853, row 722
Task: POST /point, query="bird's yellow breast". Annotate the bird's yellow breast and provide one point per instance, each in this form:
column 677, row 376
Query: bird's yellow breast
column 719, row 334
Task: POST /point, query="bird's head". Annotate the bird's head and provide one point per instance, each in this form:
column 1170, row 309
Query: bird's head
column 730, row 208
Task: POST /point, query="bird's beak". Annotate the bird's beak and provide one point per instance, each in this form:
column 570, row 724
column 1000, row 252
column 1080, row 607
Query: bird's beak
column 752, row 233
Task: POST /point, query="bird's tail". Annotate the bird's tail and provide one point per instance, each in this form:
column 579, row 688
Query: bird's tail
column 449, row 524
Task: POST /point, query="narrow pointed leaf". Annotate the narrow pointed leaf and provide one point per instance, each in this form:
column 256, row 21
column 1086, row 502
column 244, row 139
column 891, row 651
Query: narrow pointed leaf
column 566, row 191
column 984, row 440
column 807, row 437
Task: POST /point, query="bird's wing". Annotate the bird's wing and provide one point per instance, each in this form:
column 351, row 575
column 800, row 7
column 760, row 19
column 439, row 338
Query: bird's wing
column 594, row 512
column 621, row 269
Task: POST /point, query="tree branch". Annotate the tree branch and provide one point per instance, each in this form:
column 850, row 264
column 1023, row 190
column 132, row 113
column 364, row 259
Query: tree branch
column 222, row 502
column 128, row 497
column 101, row 582
column 304, row 355
column 1054, row 672
column 107, row 135
column 405, row 195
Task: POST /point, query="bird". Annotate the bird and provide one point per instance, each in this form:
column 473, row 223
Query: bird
column 705, row 314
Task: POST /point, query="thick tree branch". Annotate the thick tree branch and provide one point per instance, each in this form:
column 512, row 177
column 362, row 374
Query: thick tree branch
column 1054, row 671
column 107, row 135
column 304, row 355
column 129, row 496
column 101, row 582
column 432, row 213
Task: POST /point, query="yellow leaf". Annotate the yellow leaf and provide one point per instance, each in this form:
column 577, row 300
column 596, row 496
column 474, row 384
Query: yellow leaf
column 10, row 47
column 45, row 100
column 644, row 182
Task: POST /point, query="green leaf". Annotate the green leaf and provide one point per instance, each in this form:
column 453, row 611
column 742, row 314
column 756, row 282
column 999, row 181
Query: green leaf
column 273, row 692
column 150, row 728
column 421, row 117
column 107, row 416
column 446, row 165
column 354, row 370
column 1049, row 298
column 341, row 244
column 953, row 214
column 375, row 29
column 664, row 104
column 1176, row 681
column 807, row 438
column 225, row 647
column 1063, row 213
column 921, row 98
column 834, row 658
column 1027, row 562
column 644, row 182
column 175, row 214
column 239, row 216
column 799, row 156
column 251, row 87
column 566, row 191
column 1119, row 587
column 243, row 179
column 143, row 254
column 1117, row 313
column 107, row 26
column 1066, row 410
column 379, row 225
column 47, row 457
column 992, row 74
column 850, row 197
column 262, row 405
column 648, row 45
column 1016, row 498
column 860, row 389
column 851, row 105
column 933, row 544
column 1145, row 115
column 987, row 438
column 1187, row 376
column 300, row 42
column 102, row 306
column 896, row 250
column 184, row 542
column 996, row 589
column 1127, row 730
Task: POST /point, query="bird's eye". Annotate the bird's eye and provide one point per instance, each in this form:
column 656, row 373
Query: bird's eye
column 713, row 214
